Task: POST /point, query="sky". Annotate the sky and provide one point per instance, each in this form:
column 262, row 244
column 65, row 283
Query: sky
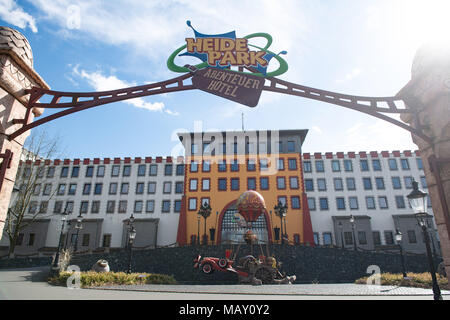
column 348, row 46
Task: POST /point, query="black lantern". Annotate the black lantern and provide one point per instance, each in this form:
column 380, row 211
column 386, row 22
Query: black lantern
column 78, row 226
column 205, row 212
column 280, row 211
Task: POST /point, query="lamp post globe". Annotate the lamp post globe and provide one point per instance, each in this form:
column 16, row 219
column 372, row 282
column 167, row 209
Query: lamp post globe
column 418, row 201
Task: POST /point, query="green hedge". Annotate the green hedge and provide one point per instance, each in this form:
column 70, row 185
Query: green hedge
column 97, row 279
column 419, row 280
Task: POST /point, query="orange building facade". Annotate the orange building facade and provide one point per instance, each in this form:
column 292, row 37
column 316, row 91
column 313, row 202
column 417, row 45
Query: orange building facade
column 220, row 166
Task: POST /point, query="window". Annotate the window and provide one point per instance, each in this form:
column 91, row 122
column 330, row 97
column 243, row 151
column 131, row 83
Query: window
column 307, row 166
column 139, row 188
column 408, row 182
column 251, row 165
column 95, row 206
column 193, row 184
column 235, row 147
column 204, row 200
column 323, row 202
column 193, row 204
column 87, row 189
column 141, row 170
column 367, row 183
column 327, row 239
column 295, row 202
column 364, row 165
column 419, row 163
column 194, row 148
column 206, row 184
column 222, row 183
column 98, row 188
column 126, row 171
column 340, row 203
column 321, row 184
column 251, row 183
column 382, row 202
column 291, row 146
column 280, row 164
column 177, row 206
column 348, row 165
column 206, row 166
column 180, row 169
column 110, row 206
column 396, row 183
column 150, row 206
column 61, row 189
column 69, row 207
column 370, row 202
column 264, row 183
column 89, row 171
column 58, row 207
column 85, row 241
column 19, row 239
column 263, row 164
column 283, row 200
column 392, row 164
column 379, row 182
column 400, row 202
column 179, row 187
column 75, row 172
column 350, row 183
column 113, row 188
column 115, row 170
column 309, row 185
column 151, row 188
column 405, row 164
column 348, row 238
column 106, row 240
column 312, row 203
column 124, row 188
column 263, row 147
column 194, row 166
column 235, row 165
column 153, row 170
column 281, row 183
column 32, row 207
column 234, row 183
column 50, row 172
column 250, row 148
column 412, row 236
column 64, row 172
column 316, row 238
column 338, row 184
column 335, row 166
column 123, row 206
column 292, row 164
column 319, row 166
column 353, row 203
column 47, row 189
column 293, row 182
column 167, row 187
column 100, row 171
column 222, row 166
column 168, row 169
column 165, row 206
column 206, row 148
column 43, row 207
column 72, row 189
column 31, row 239
column 362, row 237
column 376, row 165
column 84, row 205
column 389, row 237
column 376, row 238
column 423, row 182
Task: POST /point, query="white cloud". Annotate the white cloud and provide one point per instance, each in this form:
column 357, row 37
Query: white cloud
column 101, row 82
column 317, row 129
column 12, row 13
column 350, row 75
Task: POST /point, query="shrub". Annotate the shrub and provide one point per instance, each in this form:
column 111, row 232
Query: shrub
column 419, row 280
column 97, row 279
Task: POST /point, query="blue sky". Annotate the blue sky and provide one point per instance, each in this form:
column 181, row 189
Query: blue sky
column 348, row 46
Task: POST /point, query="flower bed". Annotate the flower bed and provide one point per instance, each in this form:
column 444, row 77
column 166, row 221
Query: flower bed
column 418, row 280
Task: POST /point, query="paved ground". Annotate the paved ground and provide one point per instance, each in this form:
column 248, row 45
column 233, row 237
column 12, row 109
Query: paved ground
column 29, row 284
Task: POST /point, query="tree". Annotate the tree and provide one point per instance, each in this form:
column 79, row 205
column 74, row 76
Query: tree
column 30, row 181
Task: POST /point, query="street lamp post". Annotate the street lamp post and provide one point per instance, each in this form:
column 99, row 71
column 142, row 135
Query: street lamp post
column 352, row 221
column 131, row 237
column 205, row 211
column 198, row 228
column 78, row 226
column 398, row 239
column 280, row 210
column 56, row 267
column 341, row 227
column 418, row 201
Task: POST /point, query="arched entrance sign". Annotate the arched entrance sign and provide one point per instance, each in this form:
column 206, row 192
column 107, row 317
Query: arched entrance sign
column 219, row 54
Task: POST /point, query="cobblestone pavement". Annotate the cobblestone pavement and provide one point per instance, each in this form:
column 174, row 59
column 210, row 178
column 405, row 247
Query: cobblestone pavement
column 342, row 289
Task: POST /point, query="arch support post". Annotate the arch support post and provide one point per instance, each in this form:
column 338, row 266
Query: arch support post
column 428, row 97
column 16, row 75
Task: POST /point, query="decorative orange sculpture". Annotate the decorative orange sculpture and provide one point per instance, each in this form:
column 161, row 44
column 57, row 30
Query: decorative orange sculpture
column 250, row 205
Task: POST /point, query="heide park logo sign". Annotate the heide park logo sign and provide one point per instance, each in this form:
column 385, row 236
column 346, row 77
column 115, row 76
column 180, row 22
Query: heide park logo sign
column 221, row 52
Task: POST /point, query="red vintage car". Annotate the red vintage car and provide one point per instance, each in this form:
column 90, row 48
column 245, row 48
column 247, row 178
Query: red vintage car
column 209, row 264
